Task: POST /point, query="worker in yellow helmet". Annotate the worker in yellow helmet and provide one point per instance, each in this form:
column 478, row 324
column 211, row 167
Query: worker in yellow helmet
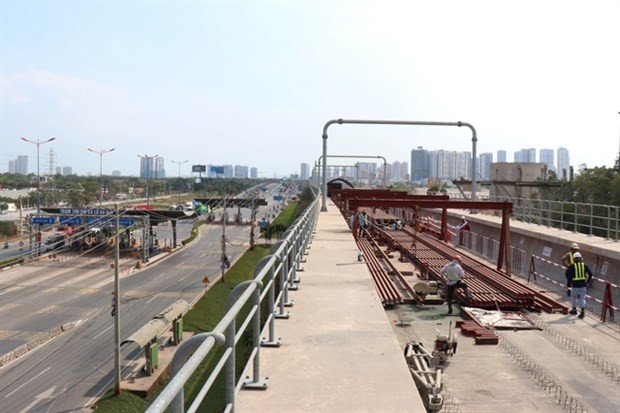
column 567, row 259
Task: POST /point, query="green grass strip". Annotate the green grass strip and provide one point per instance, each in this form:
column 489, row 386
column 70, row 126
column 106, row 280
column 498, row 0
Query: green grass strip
column 205, row 315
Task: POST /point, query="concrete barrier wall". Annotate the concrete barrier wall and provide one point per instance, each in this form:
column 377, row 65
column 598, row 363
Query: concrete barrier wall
column 602, row 256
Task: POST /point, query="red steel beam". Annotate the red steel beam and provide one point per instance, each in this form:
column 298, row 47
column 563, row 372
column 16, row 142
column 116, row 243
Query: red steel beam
column 505, row 207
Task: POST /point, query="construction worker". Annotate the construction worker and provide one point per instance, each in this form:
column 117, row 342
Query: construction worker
column 578, row 283
column 362, row 220
column 453, row 273
column 567, row 259
column 462, row 227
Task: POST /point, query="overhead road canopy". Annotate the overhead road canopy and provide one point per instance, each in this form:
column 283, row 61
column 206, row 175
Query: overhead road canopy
column 151, row 330
column 230, row 202
column 176, row 310
column 154, row 215
column 147, row 332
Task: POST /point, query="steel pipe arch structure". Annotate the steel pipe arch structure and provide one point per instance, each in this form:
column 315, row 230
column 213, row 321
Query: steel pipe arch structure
column 459, row 124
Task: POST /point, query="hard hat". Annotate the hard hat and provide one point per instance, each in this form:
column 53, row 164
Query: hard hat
column 462, row 216
column 458, row 258
column 577, row 256
column 574, row 246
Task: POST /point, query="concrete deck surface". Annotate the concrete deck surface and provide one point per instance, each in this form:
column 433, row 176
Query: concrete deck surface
column 338, row 352
column 343, row 352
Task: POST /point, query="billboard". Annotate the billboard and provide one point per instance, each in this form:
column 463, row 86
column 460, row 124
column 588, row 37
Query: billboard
column 216, row 169
column 199, row 169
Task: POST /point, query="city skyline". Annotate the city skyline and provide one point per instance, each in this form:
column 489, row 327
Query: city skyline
column 156, row 164
column 448, row 165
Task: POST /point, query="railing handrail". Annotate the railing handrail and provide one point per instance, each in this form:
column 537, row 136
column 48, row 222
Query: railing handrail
column 579, row 217
column 289, row 249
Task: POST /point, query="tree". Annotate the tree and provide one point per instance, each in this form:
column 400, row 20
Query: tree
column 598, row 185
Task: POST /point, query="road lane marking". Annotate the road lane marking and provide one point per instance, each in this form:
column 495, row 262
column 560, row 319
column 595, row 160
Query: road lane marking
column 25, row 384
column 102, row 332
column 152, row 298
column 43, row 395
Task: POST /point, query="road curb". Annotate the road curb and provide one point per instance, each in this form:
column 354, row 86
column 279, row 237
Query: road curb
column 41, row 338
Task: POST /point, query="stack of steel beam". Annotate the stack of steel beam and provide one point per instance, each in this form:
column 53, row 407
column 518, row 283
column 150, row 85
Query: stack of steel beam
column 388, row 292
column 488, row 287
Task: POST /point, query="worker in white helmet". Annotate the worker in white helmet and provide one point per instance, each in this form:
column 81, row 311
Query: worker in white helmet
column 578, row 277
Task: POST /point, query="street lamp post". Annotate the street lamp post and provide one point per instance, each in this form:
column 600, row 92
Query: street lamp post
column 148, row 173
column 101, row 152
column 179, row 163
column 38, row 143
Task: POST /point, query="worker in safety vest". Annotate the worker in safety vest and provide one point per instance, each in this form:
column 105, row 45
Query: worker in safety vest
column 578, row 278
column 567, row 259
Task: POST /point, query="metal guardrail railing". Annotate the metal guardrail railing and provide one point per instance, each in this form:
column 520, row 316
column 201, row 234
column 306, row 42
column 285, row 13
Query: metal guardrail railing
column 281, row 267
column 591, row 219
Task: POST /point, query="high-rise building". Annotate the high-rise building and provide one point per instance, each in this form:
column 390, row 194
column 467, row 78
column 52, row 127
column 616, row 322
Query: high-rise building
column 398, row 171
column 350, row 172
column 501, row 156
column 546, row 157
column 151, row 167
column 484, row 165
column 240, row 171
column 367, row 172
column 304, row 172
column 160, row 167
column 420, row 166
column 441, row 164
column 253, row 172
column 449, row 165
column 67, row 170
column 228, row 171
column 563, row 169
column 525, row 156
column 463, row 166
column 21, row 165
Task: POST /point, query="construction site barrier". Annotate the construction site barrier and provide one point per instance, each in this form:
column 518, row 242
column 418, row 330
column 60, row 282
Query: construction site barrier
column 605, row 302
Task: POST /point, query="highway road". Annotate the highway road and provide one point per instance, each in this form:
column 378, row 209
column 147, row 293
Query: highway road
column 70, row 371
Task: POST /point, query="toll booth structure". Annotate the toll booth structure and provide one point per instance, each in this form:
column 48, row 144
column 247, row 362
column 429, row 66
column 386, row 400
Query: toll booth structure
column 129, row 219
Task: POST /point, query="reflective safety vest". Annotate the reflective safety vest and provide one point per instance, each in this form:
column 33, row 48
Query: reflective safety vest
column 580, row 271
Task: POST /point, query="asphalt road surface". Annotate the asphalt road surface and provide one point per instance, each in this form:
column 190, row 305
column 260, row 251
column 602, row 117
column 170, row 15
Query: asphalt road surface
column 70, row 371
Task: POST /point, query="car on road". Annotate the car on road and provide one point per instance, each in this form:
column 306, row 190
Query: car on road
column 55, row 242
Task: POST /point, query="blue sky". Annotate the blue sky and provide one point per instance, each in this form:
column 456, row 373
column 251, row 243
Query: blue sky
column 253, row 82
